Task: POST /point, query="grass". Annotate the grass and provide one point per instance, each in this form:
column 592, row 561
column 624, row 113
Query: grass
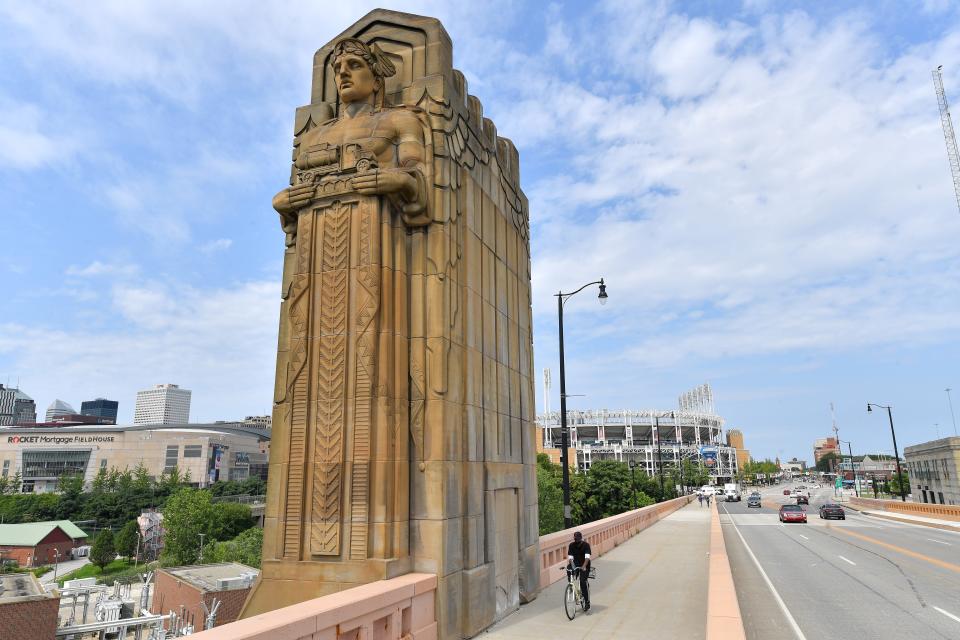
column 93, row 571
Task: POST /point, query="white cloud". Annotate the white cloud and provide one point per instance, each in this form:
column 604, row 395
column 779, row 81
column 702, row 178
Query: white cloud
column 219, row 342
column 97, row 268
column 29, row 140
column 215, row 246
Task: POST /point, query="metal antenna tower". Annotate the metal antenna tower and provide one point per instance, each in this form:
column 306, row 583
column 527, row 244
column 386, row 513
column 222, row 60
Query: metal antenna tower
column 948, row 135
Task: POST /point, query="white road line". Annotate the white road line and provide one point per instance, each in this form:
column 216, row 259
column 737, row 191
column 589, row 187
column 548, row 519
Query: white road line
column 776, row 596
column 940, row 542
column 947, row 613
column 845, row 560
column 803, row 536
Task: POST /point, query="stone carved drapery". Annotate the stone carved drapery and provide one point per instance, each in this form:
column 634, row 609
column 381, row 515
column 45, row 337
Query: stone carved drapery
column 403, row 435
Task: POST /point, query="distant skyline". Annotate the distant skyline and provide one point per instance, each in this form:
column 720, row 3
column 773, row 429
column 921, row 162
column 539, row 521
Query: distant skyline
column 763, row 185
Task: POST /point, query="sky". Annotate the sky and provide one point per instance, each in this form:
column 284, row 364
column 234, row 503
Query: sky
column 763, row 185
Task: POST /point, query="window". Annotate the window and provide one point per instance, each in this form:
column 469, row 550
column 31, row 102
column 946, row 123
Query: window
column 103, row 463
column 51, row 464
column 173, row 452
column 6, row 468
column 192, row 450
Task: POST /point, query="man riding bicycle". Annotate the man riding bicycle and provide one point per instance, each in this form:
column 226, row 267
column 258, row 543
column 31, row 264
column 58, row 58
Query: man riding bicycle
column 578, row 557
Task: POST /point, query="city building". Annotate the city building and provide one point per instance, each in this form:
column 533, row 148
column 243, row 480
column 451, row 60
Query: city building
column 208, row 452
column 633, row 436
column 35, row 544
column 27, row 611
column 794, row 466
column 185, row 588
column 735, row 440
column 823, row 446
column 101, row 408
column 57, row 409
column 933, row 468
column 164, row 404
column 16, row 407
column 263, row 422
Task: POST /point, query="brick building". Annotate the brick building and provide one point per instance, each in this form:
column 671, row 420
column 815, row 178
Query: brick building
column 36, row 544
column 27, row 612
column 228, row 582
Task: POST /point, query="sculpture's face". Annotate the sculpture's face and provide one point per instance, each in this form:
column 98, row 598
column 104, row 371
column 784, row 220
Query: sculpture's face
column 355, row 80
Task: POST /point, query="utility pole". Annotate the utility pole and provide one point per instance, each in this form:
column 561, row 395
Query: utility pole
column 952, row 415
column 659, row 456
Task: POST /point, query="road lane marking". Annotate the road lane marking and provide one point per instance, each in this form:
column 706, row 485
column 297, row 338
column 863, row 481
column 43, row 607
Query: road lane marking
column 940, row 542
column 947, row 613
column 776, row 596
column 803, row 536
column 845, row 560
column 893, row 547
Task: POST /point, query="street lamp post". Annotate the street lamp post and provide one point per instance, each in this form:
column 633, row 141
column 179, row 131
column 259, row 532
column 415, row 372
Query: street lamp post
column 633, row 482
column 56, row 562
column 952, row 415
column 561, row 300
column 896, row 451
column 853, row 465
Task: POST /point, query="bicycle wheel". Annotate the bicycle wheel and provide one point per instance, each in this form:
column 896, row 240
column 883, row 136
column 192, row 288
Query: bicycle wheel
column 570, row 601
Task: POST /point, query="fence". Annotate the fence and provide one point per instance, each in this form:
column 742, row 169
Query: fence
column 940, row 511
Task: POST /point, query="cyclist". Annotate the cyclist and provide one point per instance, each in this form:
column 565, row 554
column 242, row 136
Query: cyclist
column 578, row 557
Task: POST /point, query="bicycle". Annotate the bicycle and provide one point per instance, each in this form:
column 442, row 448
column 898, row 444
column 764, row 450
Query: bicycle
column 572, row 596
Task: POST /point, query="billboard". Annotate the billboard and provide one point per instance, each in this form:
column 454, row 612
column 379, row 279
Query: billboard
column 709, row 455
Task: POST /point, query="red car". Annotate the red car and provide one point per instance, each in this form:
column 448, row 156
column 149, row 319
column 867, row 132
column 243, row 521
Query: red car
column 786, row 492
column 792, row 513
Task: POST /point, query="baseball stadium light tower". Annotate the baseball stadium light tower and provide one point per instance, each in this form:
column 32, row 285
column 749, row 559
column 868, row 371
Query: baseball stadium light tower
column 948, row 134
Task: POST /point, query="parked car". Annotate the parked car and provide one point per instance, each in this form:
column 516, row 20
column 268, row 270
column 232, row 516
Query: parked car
column 830, row 510
column 802, row 499
column 754, row 501
column 792, row 513
column 718, row 491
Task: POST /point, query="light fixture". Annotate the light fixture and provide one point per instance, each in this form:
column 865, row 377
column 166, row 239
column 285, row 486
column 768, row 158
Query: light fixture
column 603, row 292
column 869, row 408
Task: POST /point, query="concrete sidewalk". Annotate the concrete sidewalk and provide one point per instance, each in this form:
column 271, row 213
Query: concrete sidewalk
column 652, row 586
column 936, row 523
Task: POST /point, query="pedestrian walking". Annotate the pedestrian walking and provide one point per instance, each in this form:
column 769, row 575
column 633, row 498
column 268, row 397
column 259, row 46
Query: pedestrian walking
column 700, row 499
column 708, row 500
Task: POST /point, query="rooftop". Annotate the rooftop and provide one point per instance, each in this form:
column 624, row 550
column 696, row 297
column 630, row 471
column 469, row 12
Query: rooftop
column 14, row 586
column 207, row 576
column 29, row 534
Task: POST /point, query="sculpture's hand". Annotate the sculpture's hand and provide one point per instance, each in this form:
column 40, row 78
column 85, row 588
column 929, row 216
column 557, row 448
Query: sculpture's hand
column 385, row 181
column 292, row 198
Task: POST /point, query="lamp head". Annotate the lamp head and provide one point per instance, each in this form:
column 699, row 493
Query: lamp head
column 869, row 408
column 603, row 292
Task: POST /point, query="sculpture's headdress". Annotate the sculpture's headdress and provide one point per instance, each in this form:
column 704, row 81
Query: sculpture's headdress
column 376, row 59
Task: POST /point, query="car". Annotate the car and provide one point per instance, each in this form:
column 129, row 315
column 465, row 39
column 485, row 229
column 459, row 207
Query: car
column 754, row 501
column 718, row 491
column 786, row 492
column 792, row 513
column 830, row 510
column 802, row 499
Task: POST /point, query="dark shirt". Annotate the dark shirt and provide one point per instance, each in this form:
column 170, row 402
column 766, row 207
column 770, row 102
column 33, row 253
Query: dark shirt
column 579, row 551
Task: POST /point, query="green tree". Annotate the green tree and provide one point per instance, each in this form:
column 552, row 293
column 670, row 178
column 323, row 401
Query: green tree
column 126, row 541
column 896, row 482
column 549, row 495
column 608, row 485
column 228, row 520
column 102, row 553
column 245, row 548
column 186, row 514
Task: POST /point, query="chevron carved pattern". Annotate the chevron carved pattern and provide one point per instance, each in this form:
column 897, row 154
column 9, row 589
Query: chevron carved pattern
column 330, row 382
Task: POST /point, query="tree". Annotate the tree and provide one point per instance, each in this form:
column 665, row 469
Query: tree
column 549, row 495
column 126, row 541
column 228, row 520
column 103, row 551
column 245, row 548
column 896, row 482
column 186, row 515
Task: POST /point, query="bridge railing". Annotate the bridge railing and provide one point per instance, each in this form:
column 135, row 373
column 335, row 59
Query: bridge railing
column 603, row 535
column 401, row 607
column 939, row 511
column 244, row 499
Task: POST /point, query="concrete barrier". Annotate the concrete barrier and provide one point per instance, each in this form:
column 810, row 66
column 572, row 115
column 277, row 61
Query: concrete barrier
column 939, row 511
column 402, row 607
column 602, row 535
column 724, row 621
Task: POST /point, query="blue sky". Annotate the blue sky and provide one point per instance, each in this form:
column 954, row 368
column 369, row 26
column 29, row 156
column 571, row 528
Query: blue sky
column 764, row 185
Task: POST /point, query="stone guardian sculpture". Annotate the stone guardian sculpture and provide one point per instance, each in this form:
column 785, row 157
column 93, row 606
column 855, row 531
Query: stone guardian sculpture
column 403, row 435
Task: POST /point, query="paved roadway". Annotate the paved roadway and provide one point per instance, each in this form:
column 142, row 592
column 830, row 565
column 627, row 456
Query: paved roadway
column 862, row 577
column 653, row 586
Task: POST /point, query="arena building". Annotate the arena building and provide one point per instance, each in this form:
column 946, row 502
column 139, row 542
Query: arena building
column 632, row 436
column 208, row 452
